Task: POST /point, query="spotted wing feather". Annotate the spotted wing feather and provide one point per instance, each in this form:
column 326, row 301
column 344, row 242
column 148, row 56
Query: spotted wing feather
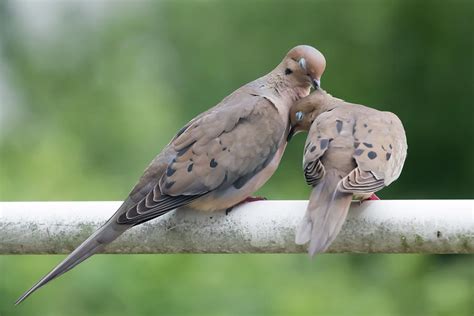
column 379, row 151
column 223, row 148
column 322, row 133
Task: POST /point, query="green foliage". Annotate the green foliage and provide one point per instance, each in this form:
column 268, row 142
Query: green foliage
column 95, row 100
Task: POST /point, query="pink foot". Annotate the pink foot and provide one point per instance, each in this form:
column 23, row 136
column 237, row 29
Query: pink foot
column 373, row 197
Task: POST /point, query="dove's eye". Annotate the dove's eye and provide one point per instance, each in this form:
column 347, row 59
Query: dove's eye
column 299, row 116
column 302, row 63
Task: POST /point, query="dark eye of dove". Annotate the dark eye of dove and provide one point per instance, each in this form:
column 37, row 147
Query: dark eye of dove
column 302, row 63
column 299, row 116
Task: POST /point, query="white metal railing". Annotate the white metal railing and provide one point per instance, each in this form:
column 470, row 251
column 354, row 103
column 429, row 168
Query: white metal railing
column 389, row 226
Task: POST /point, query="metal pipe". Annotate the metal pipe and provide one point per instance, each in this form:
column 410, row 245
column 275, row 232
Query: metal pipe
column 389, row 226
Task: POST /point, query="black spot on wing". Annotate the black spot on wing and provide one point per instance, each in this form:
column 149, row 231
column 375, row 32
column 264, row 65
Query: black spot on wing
column 288, row 71
column 339, row 126
column 356, row 144
column 312, row 149
column 182, row 151
column 358, row 152
column 324, row 143
column 169, row 184
column 372, row 155
column 170, row 171
column 368, row 145
column 213, row 163
column 190, row 167
column 387, row 156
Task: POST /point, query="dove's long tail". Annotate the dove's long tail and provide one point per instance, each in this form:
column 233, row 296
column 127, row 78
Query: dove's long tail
column 326, row 212
column 96, row 242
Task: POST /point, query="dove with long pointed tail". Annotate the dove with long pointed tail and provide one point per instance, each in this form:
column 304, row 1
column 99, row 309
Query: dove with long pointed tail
column 218, row 159
column 351, row 151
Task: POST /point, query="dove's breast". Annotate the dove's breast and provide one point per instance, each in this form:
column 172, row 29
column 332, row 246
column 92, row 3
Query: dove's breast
column 264, row 148
column 227, row 197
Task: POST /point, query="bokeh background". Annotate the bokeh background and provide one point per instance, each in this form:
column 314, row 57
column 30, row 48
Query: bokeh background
column 91, row 90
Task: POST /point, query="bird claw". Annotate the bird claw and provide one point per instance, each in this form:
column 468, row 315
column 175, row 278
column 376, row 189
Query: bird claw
column 373, row 197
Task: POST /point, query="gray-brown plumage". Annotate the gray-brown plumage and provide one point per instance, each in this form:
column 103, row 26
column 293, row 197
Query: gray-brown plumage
column 351, row 150
column 218, row 159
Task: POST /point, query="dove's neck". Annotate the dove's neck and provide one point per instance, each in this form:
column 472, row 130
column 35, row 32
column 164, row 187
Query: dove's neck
column 325, row 102
column 277, row 86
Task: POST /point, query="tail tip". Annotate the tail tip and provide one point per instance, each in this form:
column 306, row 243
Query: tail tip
column 21, row 298
column 25, row 295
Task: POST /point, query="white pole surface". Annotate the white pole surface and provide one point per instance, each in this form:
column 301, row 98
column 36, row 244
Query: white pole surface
column 409, row 226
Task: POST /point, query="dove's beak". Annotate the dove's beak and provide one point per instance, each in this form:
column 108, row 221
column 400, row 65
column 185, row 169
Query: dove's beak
column 291, row 133
column 316, row 84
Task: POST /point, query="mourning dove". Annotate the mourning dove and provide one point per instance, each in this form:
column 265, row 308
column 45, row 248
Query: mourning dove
column 218, row 159
column 351, row 151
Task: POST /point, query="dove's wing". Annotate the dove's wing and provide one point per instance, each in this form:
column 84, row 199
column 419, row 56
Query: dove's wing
column 225, row 147
column 379, row 151
column 325, row 129
column 327, row 159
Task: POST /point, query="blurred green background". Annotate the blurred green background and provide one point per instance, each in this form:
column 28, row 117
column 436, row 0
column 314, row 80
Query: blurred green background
column 90, row 91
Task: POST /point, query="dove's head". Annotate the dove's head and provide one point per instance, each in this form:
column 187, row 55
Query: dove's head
column 304, row 112
column 305, row 64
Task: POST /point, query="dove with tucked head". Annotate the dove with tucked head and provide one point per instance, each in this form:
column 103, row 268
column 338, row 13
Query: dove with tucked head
column 351, row 151
column 216, row 160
